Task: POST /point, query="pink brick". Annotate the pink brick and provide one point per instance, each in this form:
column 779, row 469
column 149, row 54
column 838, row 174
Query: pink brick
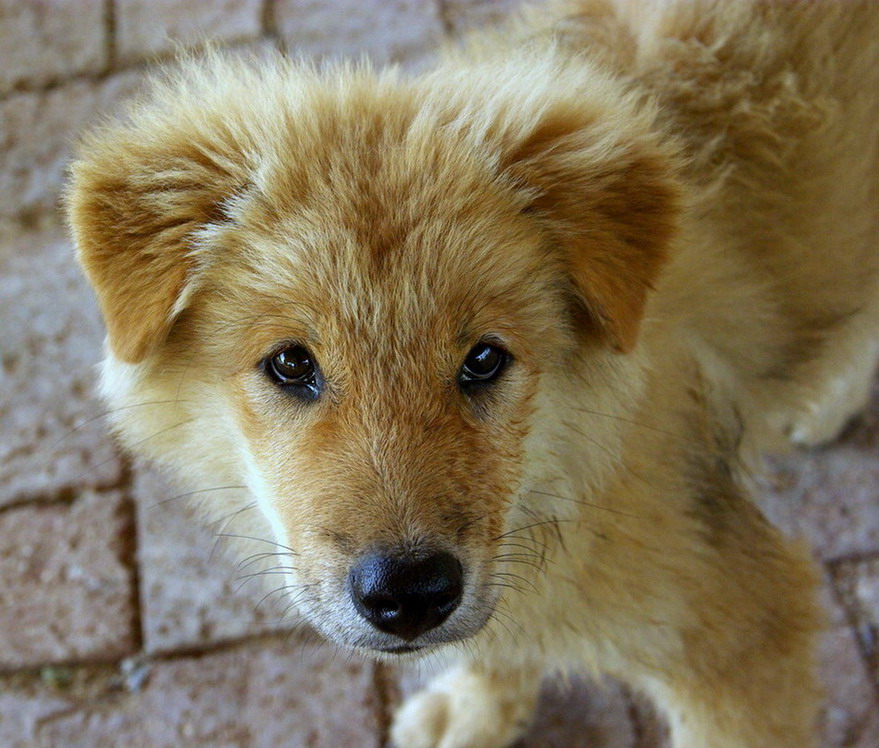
column 270, row 693
column 851, row 698
column 192, row 590
column 50, row 39
column 580, row 714
column 36, row 132
column 858, row 584
column 384, row 30
column 828, row 496
column 869, row 737
column 145, row 28
column 50, row 438
column 22, row 709
column 66, row 593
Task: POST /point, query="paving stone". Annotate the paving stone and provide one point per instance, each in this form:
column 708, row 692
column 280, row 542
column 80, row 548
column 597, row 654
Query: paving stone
column 571, row 713
column 66, row 593
column 267, row 693
column 463, row 15
column 22, row 712
column 858, row 585
column 50, row 344
column 384, row 30
column 829, row 496
column 851, row 699
column 145, row 28
column 192, row 591
column 581, row 715
column 47, row 40
column 36, row 132
column 869, row 737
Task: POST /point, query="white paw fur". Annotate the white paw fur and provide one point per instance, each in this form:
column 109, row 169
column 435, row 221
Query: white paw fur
column 464, row 709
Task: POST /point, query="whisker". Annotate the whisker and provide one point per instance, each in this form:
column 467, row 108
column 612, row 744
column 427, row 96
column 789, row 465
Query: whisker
column 528, row 527
column 639, row 424
column 258, row 540
column 584, row 503
column 104, row 414
column 136, row 444
column 254, row 557
column 193, row 493
column 615, row 458
column 227, row 520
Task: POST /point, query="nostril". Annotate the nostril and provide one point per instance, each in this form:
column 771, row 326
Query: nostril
column 406, row 596
column 383, row 608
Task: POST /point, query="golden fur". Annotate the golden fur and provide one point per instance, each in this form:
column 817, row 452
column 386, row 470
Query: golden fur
column 666, row 211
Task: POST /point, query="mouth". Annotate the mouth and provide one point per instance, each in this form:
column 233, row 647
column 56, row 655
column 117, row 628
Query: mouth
column 399, row 650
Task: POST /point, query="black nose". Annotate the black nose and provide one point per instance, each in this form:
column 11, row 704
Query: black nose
column 403, row 596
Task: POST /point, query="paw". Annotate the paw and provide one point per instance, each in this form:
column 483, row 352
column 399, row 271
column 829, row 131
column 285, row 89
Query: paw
column 846, row 397
column 840, row 397
column 465, row 709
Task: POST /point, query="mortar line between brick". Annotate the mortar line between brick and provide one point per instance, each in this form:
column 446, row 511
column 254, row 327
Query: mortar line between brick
column 445, row 17
column 65, row 495
column 110, row 30
column 267, row 19
column 384, row 686
column 206, row 649
column 852, row 625
column 99, row 664
column 856, row 557
column 129, row 555
column 123, row 66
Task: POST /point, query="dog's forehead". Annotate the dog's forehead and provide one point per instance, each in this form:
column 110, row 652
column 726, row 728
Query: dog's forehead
column 417, row 250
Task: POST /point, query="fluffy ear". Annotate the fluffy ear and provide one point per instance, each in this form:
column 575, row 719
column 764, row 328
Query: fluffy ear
column 607, row 196
column 136, row 197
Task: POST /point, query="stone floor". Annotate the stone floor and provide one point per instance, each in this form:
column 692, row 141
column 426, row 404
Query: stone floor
column 125, row 623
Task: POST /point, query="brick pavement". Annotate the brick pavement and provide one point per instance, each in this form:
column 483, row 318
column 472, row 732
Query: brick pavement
column 124, row 622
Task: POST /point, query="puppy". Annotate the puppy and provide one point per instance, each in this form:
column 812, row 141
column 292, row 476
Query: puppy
column 491, row 348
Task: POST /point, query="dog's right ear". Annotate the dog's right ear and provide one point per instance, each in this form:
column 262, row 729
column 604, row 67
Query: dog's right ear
column 136, row 197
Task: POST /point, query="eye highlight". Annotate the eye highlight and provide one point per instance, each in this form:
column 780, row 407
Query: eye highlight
column 484, row 363
column 294, row 368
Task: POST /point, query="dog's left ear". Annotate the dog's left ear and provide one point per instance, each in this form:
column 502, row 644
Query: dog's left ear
column 608, row 197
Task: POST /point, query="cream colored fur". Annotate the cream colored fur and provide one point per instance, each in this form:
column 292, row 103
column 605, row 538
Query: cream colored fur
column 668, row 212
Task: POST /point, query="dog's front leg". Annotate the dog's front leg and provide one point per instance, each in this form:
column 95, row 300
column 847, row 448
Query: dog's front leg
column 469, row 706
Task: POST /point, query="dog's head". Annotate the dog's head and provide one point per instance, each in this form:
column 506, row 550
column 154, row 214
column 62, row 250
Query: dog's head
column 353, row 293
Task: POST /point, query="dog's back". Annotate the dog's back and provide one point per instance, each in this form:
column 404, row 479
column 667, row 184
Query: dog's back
column 775, row 107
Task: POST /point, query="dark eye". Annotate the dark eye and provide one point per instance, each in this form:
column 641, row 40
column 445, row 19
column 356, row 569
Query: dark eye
column 483, row 364
column 294, row 367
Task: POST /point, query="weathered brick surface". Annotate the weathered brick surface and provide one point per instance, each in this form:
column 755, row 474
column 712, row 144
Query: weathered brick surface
column 267, row 693
column 145, row 28
column 50, row 343
column 23, row 705
column 65, row 590
column 858, row 586
column 192, row 589
column 49, row 40
column 581, row 715
column 36, row 132
column 851, row 698
column 830, row 496
column 574, row 714
column 384, row 30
